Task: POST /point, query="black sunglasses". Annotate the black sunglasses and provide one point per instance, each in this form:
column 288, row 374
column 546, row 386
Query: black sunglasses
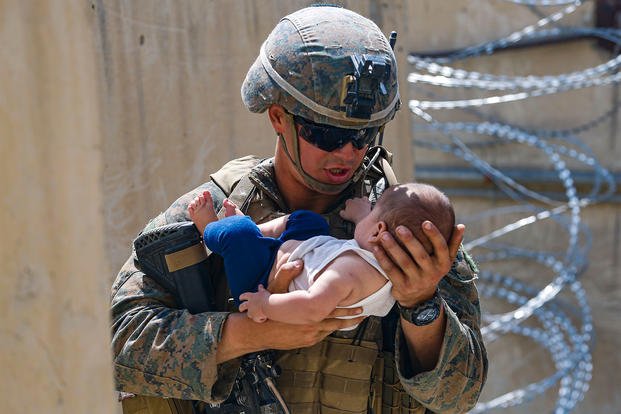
column 329, row 138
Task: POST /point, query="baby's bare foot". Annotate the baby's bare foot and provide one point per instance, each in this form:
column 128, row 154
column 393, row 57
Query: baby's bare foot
column 230, row 209
column 201, row 211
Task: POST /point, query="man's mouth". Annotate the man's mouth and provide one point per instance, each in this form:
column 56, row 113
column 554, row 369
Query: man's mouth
column 338, row 171
column 338, row 175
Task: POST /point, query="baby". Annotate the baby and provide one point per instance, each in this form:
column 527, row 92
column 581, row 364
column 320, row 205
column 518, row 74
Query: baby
column 337, row 273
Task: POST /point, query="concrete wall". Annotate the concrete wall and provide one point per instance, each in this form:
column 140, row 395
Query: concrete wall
column 112, row 109
column 55, row 275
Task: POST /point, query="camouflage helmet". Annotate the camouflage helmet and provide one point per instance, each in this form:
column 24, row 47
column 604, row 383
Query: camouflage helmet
column 310, row 64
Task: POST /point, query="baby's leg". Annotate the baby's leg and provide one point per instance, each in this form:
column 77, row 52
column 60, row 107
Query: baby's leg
column 201, row 211
column 247, row 255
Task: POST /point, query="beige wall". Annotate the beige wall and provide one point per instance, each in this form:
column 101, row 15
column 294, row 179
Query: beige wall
column 55, row 276
column 112, row 109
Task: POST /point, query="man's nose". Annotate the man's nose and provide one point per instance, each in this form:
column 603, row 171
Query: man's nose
column 346, row 152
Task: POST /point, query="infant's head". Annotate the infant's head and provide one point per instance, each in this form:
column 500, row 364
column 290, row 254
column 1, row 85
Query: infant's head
column 410, row 205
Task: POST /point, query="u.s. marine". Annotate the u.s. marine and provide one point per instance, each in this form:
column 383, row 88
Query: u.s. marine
column 327, row 79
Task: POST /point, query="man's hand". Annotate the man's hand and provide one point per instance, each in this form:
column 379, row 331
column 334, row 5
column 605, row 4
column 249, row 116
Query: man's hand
column 288, row 336
column 414, row 273
column 241, row 335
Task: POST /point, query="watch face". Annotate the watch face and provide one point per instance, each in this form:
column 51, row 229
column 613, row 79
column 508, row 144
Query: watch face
column 427, row 316
column 423, row 314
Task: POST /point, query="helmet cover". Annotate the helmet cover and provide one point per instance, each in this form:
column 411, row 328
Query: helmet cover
column 311, row 62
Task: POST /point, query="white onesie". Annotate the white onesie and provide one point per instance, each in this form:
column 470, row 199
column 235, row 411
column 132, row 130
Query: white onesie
column 317, row 252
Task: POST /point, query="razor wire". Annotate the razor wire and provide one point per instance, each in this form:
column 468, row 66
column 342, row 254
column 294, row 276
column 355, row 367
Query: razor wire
column 513, row 38
column 542, row 3
column 539, row 314
column 568, row 347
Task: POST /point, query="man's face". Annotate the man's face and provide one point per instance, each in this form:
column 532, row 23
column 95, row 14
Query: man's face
column 334, row 167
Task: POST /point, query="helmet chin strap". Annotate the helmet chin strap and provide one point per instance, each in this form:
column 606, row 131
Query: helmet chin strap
column 310, row 181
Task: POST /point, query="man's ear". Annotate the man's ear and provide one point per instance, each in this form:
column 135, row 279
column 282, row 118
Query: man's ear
column 278, row 118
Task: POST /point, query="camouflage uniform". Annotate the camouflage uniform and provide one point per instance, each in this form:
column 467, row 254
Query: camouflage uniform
column 164, row 351
column 161, row 350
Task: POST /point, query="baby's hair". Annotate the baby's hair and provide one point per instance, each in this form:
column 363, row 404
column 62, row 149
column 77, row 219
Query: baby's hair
column 410, row 205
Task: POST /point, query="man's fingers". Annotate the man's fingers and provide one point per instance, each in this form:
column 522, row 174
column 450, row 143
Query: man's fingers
column 439, row 243
column 402, row 258
column 280, row 335
column 243, row 307
column 331, row 325
column 383, row 259
column 340, row 312
column 442, row 259
column 283, row 277
column 456, row 238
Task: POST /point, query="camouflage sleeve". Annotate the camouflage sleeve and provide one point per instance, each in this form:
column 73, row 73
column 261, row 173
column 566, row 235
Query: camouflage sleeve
column 455, row 384
column 160, row 350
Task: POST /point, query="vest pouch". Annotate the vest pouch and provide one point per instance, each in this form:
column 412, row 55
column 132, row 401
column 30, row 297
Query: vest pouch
column 394, row 398
column 332, row 376
column 141, row 404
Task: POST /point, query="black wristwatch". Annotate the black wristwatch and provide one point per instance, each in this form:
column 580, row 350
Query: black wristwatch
column 423, row 313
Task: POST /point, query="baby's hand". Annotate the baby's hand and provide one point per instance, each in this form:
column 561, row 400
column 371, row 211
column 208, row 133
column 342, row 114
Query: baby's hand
column 253, row 304
column 356, row 209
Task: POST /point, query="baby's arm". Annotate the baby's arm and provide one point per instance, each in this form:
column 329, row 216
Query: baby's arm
column 332, row 287
column 275, row 227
